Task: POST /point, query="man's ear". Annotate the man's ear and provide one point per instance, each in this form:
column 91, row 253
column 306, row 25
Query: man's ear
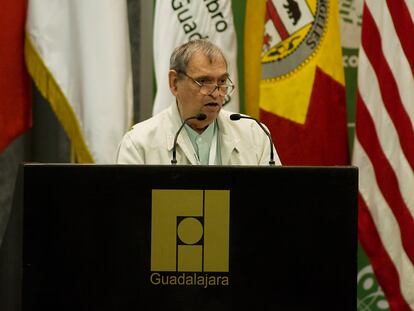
column 172, row 80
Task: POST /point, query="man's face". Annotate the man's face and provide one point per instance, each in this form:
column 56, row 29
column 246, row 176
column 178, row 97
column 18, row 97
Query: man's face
column 190, row 101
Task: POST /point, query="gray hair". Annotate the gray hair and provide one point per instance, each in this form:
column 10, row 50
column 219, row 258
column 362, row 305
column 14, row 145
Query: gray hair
column 181, row 55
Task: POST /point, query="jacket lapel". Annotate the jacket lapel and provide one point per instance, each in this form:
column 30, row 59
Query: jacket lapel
column 183, row 146
column 183, row 141
column 229, row 142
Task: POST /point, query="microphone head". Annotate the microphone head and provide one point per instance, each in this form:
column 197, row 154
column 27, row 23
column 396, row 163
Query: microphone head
column 201, row 117
column 235, row 116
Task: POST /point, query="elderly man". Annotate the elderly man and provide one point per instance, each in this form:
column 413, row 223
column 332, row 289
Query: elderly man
column 199, row 80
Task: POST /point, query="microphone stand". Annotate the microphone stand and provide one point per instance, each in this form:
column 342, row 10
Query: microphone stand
column 237, row 116
column 199, row 117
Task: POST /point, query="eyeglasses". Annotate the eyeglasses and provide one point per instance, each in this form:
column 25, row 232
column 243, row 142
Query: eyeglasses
column 208, row 88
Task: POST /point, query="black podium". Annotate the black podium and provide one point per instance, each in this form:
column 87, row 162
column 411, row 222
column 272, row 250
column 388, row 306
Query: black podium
column 188, row 238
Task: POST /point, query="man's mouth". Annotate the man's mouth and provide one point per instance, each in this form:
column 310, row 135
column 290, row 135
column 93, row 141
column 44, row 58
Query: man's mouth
column 211, row 104
column 211, row 107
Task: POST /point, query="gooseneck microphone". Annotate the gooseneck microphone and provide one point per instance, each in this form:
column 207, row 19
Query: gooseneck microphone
column 199, row 117
column 238, row 116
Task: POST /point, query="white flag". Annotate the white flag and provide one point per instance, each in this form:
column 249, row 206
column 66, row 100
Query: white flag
column 78, row 54
column 177, row 22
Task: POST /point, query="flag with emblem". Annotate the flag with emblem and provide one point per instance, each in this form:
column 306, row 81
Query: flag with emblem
column 295, row 82
column 177, row 22
column 15, row 107
column 78, row 54
column 384, row 148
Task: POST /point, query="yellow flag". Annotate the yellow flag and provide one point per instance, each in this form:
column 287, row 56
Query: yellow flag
column 294, row 47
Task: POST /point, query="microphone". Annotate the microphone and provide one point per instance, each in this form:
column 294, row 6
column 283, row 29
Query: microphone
column 199, row 117
column 238, row 116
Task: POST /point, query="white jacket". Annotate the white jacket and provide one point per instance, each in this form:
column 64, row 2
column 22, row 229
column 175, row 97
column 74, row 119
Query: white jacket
column 241, row 142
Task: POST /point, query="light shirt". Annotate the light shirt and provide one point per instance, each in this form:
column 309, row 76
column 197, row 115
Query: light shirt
column 205, row 144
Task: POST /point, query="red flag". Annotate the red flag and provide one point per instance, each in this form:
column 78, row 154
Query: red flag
column 15, row 108
column 384, row 146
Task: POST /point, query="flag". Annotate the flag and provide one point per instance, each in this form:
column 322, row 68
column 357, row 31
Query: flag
column 78, row 54
column 384, row 146
column 295, row 78
column 15, row 104
column 177, row 22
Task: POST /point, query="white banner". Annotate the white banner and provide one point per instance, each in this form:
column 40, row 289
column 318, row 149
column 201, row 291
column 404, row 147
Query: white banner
column 177, row 22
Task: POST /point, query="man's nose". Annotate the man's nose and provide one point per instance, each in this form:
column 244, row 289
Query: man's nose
column 216, row 92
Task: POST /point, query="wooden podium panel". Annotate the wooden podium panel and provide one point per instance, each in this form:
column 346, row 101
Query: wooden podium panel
column 189, row 238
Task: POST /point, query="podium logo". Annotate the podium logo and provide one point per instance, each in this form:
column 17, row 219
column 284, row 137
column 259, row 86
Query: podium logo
column 190, row 230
